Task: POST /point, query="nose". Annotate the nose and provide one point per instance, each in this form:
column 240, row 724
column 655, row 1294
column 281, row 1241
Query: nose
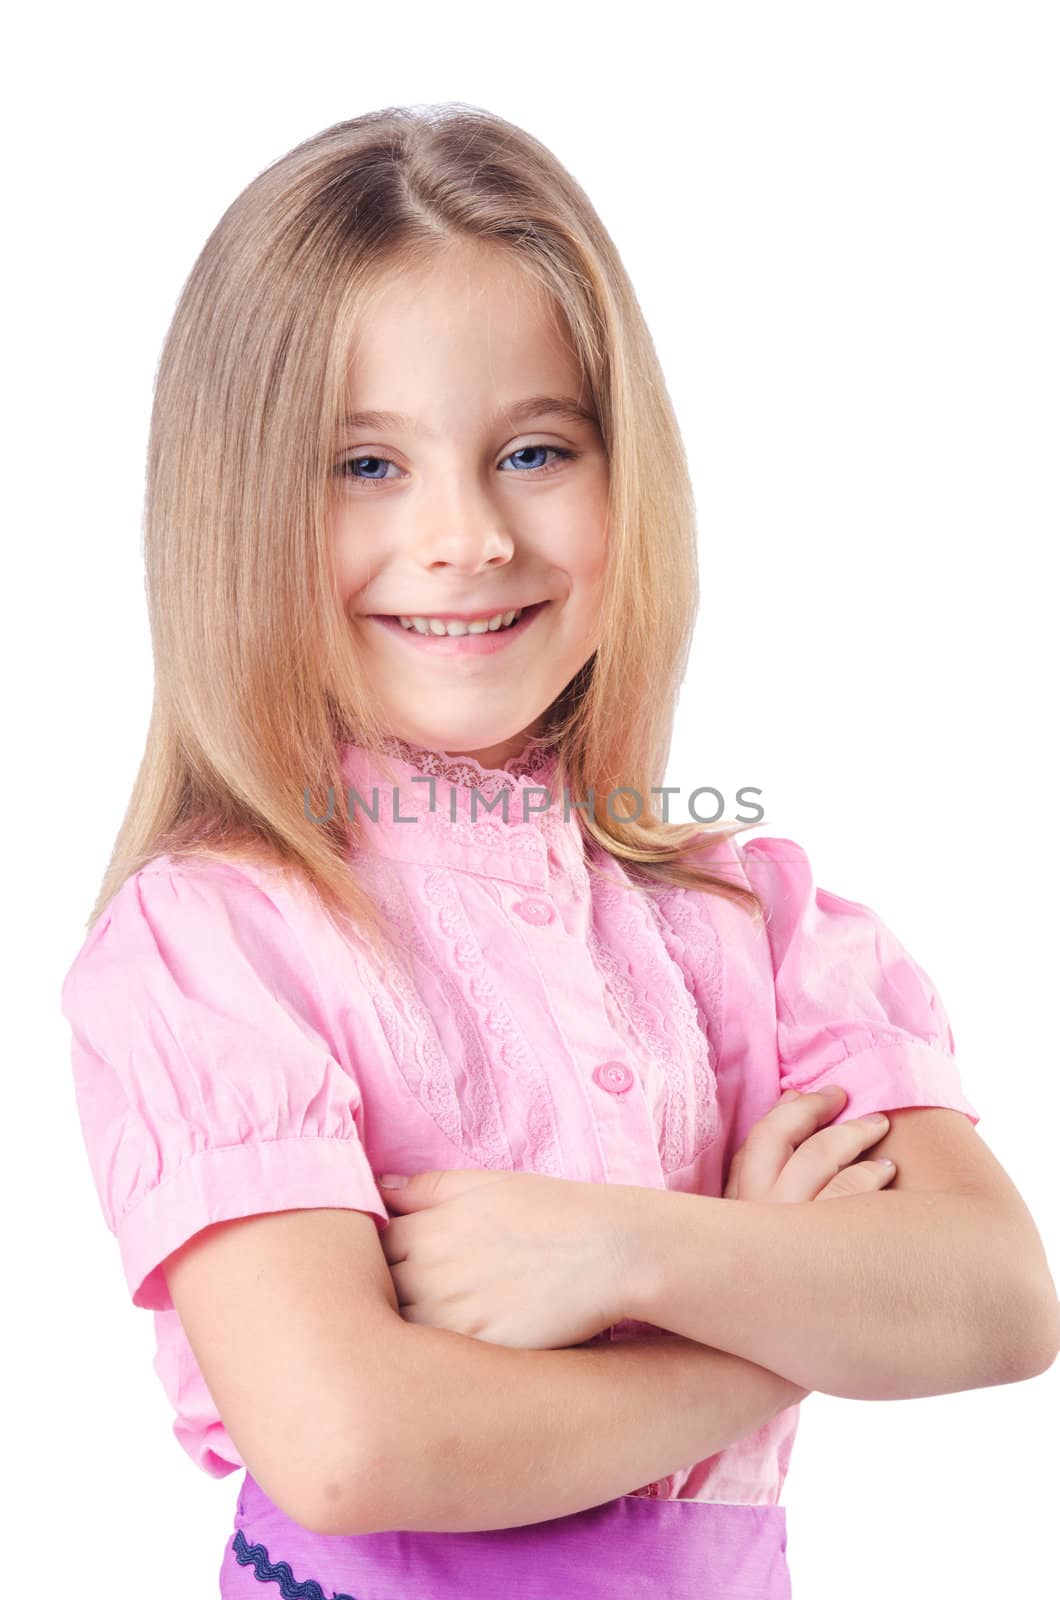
column 464, row 551
column 469, row 540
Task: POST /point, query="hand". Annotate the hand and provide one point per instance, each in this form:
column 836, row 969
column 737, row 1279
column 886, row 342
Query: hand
column 783, row 1158
column 513, row 1258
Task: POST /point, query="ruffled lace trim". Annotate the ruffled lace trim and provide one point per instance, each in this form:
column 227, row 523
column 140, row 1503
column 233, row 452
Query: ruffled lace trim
column 465, row 804
column 536, row 758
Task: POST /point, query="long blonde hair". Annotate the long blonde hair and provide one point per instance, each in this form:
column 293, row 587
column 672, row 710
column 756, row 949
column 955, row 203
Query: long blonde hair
column 256, row 684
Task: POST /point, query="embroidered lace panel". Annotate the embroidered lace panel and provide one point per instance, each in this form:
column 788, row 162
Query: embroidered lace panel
column 657, row 958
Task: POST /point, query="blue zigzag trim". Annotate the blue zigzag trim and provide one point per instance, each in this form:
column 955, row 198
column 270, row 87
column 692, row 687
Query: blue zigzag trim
column 266, row 1571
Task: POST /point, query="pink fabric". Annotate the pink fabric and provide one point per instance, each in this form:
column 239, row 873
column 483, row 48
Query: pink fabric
column 234, row 1054
column 633, row 1547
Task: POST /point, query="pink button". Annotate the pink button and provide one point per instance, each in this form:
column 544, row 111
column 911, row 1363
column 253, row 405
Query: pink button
column 536, row 911
column 614, row 1076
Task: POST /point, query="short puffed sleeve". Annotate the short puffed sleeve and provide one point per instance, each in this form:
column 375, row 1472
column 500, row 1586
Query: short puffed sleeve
column 852, row 1005
column 206, row 1084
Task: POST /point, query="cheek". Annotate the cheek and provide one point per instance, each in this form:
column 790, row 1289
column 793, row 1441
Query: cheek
column 352, row 569
column 590, row 548
column 587, row 564
column 576, row 543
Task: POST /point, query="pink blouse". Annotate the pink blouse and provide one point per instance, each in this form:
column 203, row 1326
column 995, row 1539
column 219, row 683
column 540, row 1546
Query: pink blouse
column 234, row 1054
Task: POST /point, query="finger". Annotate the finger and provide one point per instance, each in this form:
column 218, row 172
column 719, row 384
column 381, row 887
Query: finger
column 825, row 1101
column 732, row 1186
column 403, row 1287
column 770, row 1143
column 394, row 1240
column 822, row 1156
column 863, row 1177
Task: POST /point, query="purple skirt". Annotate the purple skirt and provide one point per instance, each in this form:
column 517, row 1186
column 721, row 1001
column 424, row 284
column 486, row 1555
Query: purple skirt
column 635, row 1547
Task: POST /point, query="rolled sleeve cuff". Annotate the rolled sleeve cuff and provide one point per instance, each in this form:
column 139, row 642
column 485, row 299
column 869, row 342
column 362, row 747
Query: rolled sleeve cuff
column 241, row 1180
column 890, row 1075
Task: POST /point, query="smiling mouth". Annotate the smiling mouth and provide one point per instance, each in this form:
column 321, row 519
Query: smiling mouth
column 458, row 627
column 484, row 635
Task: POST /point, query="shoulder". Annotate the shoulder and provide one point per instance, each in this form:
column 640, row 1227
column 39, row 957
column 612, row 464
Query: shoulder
column 206, row 880
column 772, row 866
column 214, row 870
column 770, row 852
column 776, row 868
column 186, row 915
column 738, row 851
column 779, row 895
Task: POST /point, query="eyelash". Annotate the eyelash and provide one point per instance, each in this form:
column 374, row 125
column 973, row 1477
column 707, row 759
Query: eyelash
column 377, row 483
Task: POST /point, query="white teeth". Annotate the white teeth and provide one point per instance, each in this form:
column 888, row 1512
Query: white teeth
column 438, row 625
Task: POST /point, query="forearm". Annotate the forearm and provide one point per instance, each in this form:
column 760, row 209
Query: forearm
column 479, row 1436
column 872, row 1297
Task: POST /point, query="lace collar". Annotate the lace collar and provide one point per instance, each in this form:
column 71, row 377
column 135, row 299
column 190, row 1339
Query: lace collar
column 536, row 759
column 506, row 821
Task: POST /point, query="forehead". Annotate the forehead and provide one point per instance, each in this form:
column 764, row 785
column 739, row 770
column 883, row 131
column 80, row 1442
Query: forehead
column 470, row 328
column 470, row 276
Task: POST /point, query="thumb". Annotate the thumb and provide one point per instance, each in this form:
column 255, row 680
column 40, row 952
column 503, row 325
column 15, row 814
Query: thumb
column 425, row 1189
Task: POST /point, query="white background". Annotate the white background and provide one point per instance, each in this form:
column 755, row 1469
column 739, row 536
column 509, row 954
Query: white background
column 841, row 222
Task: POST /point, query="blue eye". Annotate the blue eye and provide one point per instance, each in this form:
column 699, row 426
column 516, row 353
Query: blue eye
column 545, row 449
column 353, row 461
column 343, row 468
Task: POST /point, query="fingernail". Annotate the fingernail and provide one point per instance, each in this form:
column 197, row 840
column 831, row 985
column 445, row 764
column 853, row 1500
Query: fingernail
column 833, row 1090
column 392, row 1180
column 789, row 1094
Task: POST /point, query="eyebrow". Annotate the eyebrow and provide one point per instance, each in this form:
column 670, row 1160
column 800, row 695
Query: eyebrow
column 538, row 405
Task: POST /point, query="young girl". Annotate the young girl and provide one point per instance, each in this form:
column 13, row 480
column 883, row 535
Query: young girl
column 395, row 894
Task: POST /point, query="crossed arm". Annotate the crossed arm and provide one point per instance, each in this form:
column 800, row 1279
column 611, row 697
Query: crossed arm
column 935, row 1284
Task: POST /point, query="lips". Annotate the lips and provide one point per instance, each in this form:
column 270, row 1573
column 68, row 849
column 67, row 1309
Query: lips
column 455, row 615
column 445, row 644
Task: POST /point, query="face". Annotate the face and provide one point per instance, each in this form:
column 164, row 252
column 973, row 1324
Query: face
column 468, row 508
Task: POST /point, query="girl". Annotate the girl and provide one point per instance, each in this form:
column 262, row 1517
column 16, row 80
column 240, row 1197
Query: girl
column 393, row 894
